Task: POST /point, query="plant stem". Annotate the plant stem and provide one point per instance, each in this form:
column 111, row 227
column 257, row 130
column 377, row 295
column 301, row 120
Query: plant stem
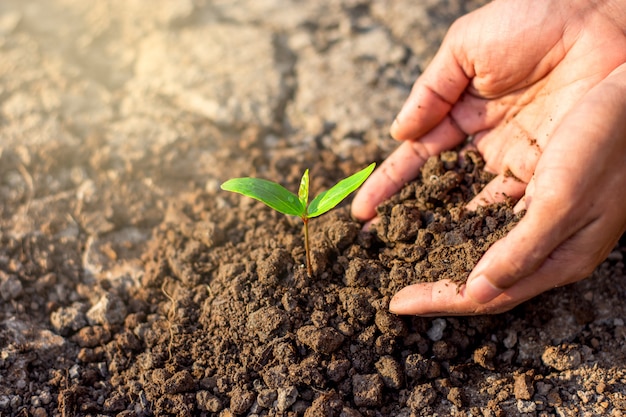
column 307, row 248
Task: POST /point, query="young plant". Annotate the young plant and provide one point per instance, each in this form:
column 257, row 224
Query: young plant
column 284, row 201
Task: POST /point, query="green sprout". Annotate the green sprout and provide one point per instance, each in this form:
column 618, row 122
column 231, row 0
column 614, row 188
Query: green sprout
column 284, row 201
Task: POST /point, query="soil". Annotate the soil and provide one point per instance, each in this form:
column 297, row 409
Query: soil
column 226, row 321
column 132, row 285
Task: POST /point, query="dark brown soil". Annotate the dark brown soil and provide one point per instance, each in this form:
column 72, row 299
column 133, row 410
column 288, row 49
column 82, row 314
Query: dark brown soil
column 252, row 332
column 130, row 285
column 227, row 322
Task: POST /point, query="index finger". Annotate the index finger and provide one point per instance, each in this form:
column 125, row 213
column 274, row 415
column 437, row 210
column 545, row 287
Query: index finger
column 433, row 95
column 402, row 166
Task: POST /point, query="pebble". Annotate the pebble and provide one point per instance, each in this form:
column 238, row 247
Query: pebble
column 435, row 333
column 10, row 287
column 510, row 340
column 109, row 310
column 526, row 406
column 286, row 398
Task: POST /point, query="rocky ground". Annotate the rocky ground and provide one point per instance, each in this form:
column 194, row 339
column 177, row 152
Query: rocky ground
column 131, row 285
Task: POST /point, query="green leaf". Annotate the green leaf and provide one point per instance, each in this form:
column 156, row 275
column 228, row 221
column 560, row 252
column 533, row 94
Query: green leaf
column 268, row 192
column 303, row 191
column 330, row 198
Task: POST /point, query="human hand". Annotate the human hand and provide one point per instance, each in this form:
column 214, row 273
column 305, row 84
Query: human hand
column 541, row 87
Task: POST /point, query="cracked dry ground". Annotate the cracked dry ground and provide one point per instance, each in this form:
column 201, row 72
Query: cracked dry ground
column 132, row 286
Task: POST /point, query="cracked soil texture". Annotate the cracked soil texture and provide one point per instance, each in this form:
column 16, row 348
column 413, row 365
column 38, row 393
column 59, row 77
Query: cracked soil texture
column 131, row 285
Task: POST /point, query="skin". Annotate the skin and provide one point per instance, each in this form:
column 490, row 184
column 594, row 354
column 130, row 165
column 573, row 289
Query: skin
column 541, row 88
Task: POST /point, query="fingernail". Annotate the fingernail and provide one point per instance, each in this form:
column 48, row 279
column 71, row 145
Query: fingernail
column 394, row 125
column 481, row 290
column 395, row 305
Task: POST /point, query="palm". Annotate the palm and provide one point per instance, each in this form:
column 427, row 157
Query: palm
column 542, row 93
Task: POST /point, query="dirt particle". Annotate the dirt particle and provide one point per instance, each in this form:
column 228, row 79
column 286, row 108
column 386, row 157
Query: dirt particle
column 337, row 369
column 327, row 404
column 325, row 340
column 241, row 400
column 419, row 368
column 562, row 357
column 91, row 336
column 421, row 397
column 457, row 397
column 180, row 382
column 367, row 390
column 484, row 355
column 404, row 224
column 389, row 323
column 268, row 322
column 390, row 371
column 444, row 350
column 523, row 388
column 208, row 402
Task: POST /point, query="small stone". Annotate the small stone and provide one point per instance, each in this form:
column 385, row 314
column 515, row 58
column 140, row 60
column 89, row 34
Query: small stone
column 74, row 372
column 526, row 406
column 510, row 340
column 109, row 310
column 266, row 398
column 286, row 398
column 435, row 333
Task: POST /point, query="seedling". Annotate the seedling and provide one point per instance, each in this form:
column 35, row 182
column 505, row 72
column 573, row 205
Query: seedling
column 284, row 201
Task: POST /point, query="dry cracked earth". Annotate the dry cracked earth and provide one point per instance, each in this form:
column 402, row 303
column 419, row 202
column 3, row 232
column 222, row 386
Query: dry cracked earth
column 131, row 285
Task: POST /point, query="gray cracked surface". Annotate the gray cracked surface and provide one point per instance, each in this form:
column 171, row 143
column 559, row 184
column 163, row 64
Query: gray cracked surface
column 131, row 79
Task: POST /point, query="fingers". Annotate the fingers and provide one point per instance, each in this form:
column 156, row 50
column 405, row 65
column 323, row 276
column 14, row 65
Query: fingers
column 572, row 206
column 570, row 262
column 434, row 93
column 402, row 166
column 444, row 298
column 441, row 298
column 498, row 190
